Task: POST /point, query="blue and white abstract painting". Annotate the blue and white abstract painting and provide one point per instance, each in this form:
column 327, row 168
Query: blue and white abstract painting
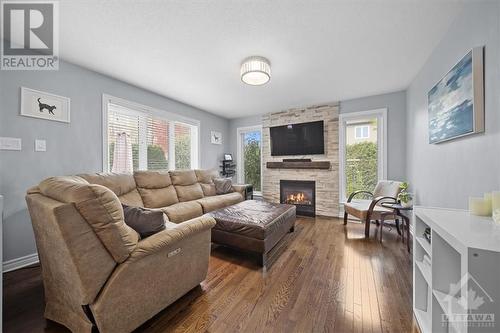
column 451, row 109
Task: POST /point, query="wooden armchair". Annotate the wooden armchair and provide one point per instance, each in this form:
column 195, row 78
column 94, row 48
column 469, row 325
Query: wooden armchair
column 370, row 209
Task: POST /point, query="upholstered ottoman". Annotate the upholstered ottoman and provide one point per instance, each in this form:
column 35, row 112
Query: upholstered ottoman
column 252, row 225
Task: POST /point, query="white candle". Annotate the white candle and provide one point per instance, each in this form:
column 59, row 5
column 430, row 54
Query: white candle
column 479, row 206
column 495, row 200
column 488, row 200
column 496, row 215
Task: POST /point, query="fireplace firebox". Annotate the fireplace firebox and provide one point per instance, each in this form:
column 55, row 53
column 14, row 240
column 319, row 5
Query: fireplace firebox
column 301, row 193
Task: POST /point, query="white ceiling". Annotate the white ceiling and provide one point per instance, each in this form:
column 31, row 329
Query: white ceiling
column 320, row 51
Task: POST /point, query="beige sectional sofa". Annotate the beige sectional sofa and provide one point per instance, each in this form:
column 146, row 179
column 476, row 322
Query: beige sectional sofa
column 96, row 270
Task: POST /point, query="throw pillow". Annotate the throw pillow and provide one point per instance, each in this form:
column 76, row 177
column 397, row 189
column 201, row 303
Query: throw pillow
column 223, row 185
column 145, row 221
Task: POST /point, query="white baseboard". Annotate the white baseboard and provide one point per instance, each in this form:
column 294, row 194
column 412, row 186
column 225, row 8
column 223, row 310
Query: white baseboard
column 20, row 262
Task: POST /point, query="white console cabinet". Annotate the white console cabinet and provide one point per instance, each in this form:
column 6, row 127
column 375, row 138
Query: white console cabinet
column 459, row 290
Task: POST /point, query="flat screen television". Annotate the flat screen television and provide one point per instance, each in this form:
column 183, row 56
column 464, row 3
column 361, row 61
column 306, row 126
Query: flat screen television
column 298, row 139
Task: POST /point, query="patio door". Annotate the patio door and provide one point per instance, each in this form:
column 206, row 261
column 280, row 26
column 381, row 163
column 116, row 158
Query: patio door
column 249, row 154
column 363, row 156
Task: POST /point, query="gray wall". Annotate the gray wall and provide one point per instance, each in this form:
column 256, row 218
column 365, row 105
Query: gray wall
column 446, row 174
column 396, row 118
column 71, row 148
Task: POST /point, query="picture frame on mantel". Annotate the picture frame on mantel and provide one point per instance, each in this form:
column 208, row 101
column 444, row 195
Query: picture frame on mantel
column 456, row 102
column 43, row 105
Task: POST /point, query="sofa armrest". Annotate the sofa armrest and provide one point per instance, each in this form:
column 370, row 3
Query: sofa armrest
column 166, row 238
column 240, row 188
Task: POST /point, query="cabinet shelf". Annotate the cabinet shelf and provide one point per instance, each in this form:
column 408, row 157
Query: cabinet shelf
column 424, row 243
column 424, row 320
column 425, row 270
column 465, row 251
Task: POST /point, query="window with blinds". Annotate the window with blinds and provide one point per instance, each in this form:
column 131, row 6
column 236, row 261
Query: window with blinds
column 139, row 140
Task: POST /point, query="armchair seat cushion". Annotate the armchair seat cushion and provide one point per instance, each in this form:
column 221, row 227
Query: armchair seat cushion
column 359, row 209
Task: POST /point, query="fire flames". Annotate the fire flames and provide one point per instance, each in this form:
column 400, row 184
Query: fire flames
column 297, row 199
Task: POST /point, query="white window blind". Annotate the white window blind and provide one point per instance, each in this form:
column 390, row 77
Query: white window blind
column 139, row 140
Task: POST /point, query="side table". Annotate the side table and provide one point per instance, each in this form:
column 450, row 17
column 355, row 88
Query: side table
column 397, row 208
column 248, row 191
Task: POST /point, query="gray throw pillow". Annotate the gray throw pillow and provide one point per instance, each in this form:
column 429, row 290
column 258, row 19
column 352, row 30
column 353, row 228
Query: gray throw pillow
column 223, row 185
column 145, row 221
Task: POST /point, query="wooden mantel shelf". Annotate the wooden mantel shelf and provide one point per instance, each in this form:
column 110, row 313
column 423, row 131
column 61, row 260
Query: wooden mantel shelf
column 299, row 165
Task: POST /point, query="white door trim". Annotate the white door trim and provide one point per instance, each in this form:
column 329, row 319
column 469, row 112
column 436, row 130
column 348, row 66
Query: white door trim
column 381, row 115
column 239, row 153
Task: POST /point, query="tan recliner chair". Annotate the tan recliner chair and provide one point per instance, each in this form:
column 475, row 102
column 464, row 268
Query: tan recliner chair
column 96, row 270
column 368, row 210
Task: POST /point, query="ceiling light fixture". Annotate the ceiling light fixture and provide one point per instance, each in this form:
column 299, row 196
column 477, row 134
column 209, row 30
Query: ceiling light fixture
column 255, row 71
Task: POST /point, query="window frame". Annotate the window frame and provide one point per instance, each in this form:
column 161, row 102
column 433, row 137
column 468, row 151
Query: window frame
column 381, row 115
column 362, row 128
column 239, row 154
column 140, row 109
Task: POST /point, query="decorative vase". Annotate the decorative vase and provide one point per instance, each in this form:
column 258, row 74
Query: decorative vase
column 407, row 204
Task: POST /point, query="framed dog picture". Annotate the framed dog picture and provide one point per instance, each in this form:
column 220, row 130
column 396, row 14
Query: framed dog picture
column 39, row 104
column 216, row 137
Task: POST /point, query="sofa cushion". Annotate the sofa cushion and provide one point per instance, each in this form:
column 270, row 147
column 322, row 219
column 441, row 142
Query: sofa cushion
column 183, row 211
column 206, row 180
column 208, row 189
column 159, row 197
column 223, row 185
column 388, row 188
column 67, row 189
column 155, row 188
column 359, row 208
column 206, row 176
column 145, row 221
column 189, row 192
column 183, row 177
column 219, row 201
column 101, row 209
column 152, row 178
column 123, row 185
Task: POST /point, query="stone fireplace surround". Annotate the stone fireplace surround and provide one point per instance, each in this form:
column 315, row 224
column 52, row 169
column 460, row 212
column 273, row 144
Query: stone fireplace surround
column 327, row 181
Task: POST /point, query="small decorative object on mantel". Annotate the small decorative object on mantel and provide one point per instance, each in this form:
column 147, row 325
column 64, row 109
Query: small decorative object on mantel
column 216, row 137
column 404, row 197
column 456, row 102
column 39, row 104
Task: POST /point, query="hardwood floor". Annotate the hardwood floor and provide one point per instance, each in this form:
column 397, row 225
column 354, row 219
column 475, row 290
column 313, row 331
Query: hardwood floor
column 328, row 278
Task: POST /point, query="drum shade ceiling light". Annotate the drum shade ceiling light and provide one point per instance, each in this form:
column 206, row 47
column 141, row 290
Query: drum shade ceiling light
column 255, row 71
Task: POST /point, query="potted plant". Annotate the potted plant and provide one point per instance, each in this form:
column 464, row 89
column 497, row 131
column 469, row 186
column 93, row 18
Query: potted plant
column 404, row 197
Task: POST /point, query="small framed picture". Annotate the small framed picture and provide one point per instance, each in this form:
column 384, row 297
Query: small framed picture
column 39, row 104
column 216, row 137
column 228, row 157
